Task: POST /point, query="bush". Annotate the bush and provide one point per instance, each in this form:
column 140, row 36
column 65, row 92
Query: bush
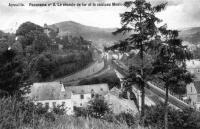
column 98, row 107
column 81, row 112
column 127, row 118
column 177, row 119
column 59, row 110
column 15, row 113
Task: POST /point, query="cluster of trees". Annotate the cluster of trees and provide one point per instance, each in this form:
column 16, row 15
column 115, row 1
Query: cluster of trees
column 47, row 66
column 70, row 43
column 111, row 79
column 168, row 64
column 28, row 58
column 186, row 119
column 32, row 38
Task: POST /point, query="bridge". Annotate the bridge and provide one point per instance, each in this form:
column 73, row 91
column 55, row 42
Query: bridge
column 153, row 93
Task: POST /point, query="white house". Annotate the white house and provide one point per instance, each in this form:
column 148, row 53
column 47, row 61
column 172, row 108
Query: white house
column 190, row 46
column 193, row 94
column 81, row 95
column 52, row 94
column 193, row 66
column 55, row 93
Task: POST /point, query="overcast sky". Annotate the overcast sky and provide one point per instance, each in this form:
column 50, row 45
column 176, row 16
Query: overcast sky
column 178, row 14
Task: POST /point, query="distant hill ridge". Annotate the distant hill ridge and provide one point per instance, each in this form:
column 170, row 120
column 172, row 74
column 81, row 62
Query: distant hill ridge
column 104, row 37
column 191, row 35
column 99, row 36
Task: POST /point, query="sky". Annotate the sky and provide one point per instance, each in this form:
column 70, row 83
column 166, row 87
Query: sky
column 178, row 14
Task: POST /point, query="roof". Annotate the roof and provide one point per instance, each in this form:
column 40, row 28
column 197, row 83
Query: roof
column 84, row 89
column 115, row 91
column 48, row 91
column 197, row 86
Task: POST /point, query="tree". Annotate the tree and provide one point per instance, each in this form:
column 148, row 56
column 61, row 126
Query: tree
column 13, row 73
column 139, row 25
column 170, row 66
column 44, row 65
column 27, row 27
column 32, row 37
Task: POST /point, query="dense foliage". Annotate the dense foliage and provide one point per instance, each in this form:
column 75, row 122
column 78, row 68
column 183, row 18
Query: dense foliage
column 35, row 56
column 139, row 22
column 13, row 73
column 186, row 119
column 96, row 108
column 15, row 114
column 48, row 66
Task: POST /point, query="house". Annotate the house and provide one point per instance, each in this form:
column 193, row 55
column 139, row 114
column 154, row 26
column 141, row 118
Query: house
column 81, row 95
column 193, row 66
column 51, row 94
column 193, row 94
column 54, row 94
column 190, row 46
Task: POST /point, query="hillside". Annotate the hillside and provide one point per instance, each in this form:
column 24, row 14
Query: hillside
column 99, row 36
column 192, row 35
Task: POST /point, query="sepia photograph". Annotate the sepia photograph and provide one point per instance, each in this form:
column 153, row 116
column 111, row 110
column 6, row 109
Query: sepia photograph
column 100, row 64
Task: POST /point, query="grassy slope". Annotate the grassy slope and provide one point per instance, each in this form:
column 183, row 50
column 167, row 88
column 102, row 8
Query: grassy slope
column 67, row 122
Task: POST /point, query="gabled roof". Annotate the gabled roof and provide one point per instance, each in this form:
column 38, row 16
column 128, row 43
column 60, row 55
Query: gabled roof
column 84, row 89
column 115, row 91
column 48, row 91
column 197, row 86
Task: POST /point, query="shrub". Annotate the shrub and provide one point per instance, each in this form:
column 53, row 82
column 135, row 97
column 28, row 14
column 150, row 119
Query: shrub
column 59, row 110
column 98, row 107
column 81, row 112
column 177, row 119
column 15, row 113
column 127, row 118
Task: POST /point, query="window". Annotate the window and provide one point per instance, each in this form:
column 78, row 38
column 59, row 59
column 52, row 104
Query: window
column 63, row 103
column 198, row 98
column 101, row 89
column 92, row 95
column 54, row 104
column 46, row 104
column 39, row 104
column 82, row 96
column 80, row 104
column 191, row 89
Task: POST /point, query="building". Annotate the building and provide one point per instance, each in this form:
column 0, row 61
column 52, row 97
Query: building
column 81, row 95
column 190, row 46
column 193, row 66
column 193, row 89
column 54, row 94
column 193, row 94
column 51, row 94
